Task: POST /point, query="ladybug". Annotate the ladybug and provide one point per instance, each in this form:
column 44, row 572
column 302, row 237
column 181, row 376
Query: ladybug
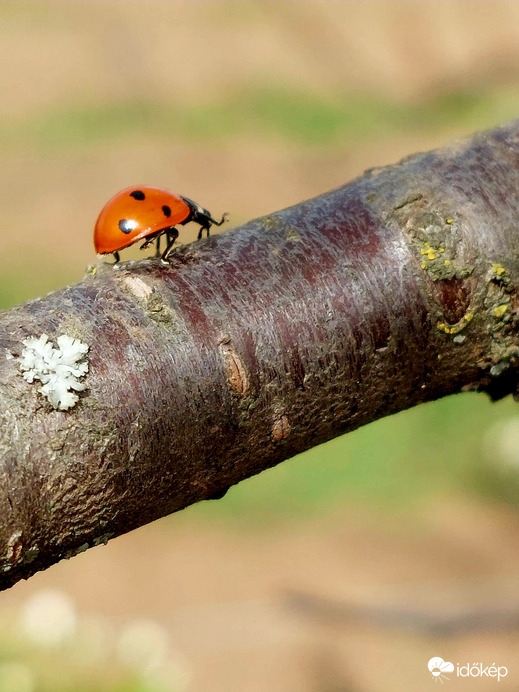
column 148, row 213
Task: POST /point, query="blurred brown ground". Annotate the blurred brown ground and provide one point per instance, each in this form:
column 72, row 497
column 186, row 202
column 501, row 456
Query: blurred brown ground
column 223, row 594
column 221, row 589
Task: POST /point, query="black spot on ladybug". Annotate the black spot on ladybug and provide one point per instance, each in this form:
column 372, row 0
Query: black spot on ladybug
column 138, row 194
column 166, row 210
column 127, row 225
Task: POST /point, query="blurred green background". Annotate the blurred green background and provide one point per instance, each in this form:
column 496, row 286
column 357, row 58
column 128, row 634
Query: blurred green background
column 251, row 107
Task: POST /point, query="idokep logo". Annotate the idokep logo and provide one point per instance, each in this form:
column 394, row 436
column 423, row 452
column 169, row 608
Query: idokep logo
column 439, row 667
column 478, row 670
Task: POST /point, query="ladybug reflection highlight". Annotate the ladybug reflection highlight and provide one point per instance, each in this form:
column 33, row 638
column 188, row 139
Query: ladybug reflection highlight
column 147, row 213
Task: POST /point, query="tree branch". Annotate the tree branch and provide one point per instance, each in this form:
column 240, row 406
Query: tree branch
column 259, row 343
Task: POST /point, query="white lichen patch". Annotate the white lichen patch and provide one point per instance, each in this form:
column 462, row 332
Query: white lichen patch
column 59, row 368
column 138, row 287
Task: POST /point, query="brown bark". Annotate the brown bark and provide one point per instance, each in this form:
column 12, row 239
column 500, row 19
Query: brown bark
column 259, row 343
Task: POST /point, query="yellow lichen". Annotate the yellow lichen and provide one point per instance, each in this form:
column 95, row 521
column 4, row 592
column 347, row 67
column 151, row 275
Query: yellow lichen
column 293, row 235
column 431, row 256
column 500, row 310
column 430, row 253
column 498, row 269
column 449, row 221
column 455, row 328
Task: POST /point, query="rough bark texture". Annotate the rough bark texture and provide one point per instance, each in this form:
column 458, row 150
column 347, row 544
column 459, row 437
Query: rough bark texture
column 259, row 343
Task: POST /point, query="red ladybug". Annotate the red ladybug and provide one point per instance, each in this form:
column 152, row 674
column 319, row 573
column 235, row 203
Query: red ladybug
column 147, row 212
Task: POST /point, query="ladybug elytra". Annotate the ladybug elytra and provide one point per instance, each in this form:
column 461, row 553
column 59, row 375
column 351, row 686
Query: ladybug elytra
column 147, row 213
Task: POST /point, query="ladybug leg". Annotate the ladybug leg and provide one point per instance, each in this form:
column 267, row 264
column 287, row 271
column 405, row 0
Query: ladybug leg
column 157, row 252
column 171, row 236
column 206, row 221
column 116, row 257
column 222, row 220
column 201, row 231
